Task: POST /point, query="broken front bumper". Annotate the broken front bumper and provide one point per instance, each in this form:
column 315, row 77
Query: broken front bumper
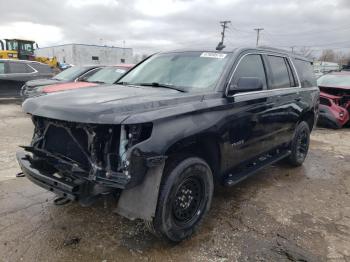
column 58, row 186
column 137, row 202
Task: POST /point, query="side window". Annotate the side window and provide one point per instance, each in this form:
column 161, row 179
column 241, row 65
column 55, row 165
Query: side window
column 250, row 66
column 88, row 74
column 2, row 68
column 281, row 74
column 16, row 68
column 306, row 73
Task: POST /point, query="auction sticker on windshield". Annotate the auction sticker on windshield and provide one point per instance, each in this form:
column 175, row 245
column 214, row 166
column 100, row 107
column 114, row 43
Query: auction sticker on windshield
column 213, row 55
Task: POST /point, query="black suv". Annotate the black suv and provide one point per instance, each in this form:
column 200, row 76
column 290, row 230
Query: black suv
column 14, row 73
column 177, row 123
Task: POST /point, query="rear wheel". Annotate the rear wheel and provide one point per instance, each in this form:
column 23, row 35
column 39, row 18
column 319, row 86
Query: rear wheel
column 300, row 144
column 185, row 197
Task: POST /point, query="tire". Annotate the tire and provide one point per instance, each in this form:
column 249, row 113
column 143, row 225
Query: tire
column 185, row 196
column 300, row 144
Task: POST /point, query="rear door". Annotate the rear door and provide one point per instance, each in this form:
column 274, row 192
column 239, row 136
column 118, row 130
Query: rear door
column 285, row 97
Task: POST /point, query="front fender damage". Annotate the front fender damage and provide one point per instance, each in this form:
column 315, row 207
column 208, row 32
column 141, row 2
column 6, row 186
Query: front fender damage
column 141, row 201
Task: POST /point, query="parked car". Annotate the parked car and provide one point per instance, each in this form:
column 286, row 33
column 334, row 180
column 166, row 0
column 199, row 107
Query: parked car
column 106, row 75
column 72, row 74
column 14, row 73
column 334, row 99
column 178, row 122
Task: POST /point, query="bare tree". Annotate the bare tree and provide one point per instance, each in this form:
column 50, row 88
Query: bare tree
column 342, row 58
column 328, row 55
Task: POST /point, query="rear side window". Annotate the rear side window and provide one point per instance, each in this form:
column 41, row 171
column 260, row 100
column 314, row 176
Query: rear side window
column 250, row 66
column 2, row 68
column 282, row 76
column 20, row 68
column 306, row 73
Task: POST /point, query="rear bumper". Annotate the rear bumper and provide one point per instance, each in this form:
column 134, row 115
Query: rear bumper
column 59, row 187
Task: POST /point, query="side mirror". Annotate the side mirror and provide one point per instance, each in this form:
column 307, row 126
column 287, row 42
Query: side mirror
column 247, row 84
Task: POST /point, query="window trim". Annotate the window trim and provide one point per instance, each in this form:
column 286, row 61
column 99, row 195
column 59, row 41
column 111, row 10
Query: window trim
column 267, row 76
column 89, row 71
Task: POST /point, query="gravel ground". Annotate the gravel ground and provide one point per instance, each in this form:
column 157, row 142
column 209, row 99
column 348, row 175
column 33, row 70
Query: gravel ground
column 280, row 214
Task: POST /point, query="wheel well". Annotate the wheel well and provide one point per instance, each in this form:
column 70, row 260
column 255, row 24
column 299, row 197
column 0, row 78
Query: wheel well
column 309, row 118
column 205, row 147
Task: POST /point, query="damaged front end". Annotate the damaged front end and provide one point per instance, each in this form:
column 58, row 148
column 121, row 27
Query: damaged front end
column 334, row 107
column 80, row 161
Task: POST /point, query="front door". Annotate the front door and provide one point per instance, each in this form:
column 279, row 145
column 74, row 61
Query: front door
column 247, row 135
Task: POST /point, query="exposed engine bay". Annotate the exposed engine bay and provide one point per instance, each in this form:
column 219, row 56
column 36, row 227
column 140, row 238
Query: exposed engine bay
column 93, row 158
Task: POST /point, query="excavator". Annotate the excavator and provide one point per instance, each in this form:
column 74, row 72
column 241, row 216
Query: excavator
column 24, row 50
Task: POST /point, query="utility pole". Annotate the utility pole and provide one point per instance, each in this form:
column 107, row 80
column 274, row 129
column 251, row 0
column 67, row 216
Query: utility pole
column 258, row 35
column 292, row 47
column 224, row 26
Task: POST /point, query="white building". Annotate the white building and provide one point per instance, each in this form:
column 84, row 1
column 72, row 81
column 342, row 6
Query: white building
column 80, row 54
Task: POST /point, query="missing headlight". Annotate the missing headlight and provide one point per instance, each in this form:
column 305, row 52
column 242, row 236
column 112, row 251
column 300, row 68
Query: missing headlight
column 138, row 133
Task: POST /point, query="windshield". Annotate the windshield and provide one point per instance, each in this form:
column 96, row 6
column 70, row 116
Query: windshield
column 107, row 75
column 334, row 80
column 190, row 71
column 70, row 74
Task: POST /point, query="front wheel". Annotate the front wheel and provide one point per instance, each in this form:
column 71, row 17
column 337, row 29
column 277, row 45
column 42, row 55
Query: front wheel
column 300, row 144
column 185, row 197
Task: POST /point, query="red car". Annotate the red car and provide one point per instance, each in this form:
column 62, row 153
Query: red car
column 334, row 99
column 106, row 75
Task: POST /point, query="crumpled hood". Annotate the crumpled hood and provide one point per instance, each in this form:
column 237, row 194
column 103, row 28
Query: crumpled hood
column 106, row 104
column 42, row 82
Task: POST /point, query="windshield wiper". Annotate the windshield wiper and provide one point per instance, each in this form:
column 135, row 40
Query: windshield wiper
column 96, row 82
column 155, row 84
column 122, row 83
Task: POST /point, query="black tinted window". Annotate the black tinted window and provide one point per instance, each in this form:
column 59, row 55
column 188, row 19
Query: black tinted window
column 250, row 66
column 2, row 68
column 306, row 73
column 280, row 74
column 19, row 68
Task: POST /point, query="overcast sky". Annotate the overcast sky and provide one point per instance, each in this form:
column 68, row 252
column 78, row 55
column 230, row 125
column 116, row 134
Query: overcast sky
column 154, row 25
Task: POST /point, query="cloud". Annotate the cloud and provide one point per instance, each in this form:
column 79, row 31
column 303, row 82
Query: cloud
column 150, row 26
column 28, row 30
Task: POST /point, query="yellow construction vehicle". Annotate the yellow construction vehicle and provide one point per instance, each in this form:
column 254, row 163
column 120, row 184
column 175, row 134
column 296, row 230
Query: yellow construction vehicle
column 24, row 50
